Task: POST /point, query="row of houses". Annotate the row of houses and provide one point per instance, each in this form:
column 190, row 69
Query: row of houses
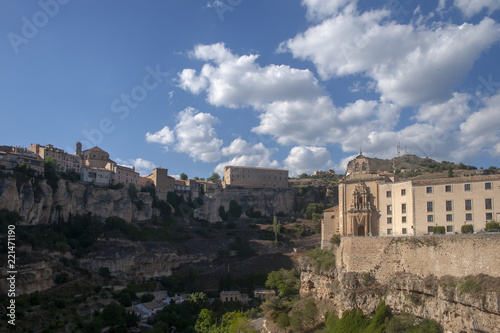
column 148, row 309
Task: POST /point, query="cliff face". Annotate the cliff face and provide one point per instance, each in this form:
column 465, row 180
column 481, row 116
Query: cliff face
column 267, row 201
column 422, row 276
column 137, row 261
column 38, row 203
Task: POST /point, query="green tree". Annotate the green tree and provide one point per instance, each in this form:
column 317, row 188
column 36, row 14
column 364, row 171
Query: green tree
column 183, row 176
column 283, row 321
column 214, row 176
column 205, row 321
column 147, row 298
column 236, row 321
column 113, row 314
column 312, row 208
column 286, row 283
column 310, row 313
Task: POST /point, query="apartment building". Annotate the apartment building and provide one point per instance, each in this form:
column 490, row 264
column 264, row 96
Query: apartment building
column 125, row 175
column 65, row 161
column 255, row 177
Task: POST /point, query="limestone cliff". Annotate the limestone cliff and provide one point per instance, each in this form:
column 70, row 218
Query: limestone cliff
column 454, row 280
column 267, row 201
column 38, row 203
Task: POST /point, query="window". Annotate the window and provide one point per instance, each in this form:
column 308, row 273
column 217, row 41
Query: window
column 468, row 204
column 389, row 209
column 389, row 220
column 466, row 187
column 447, row 188
column 403, row 219
column 489, row 216
column 449, row 206
column 430, row 206
column 468, row 217
column 487, row 186
column 389, row 231
column 404, row 232
column 430, row 229
column 403, row 208
column 449, row 228
column 428, row 190
column 449, row 217
column 403, row 192
column 430, row 218
column 388, row 194
column 487, row 203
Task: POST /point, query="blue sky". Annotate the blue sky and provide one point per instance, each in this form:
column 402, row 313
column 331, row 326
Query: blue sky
column 302, row 85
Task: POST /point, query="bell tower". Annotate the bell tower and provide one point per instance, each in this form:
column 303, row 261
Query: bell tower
column 78, row 151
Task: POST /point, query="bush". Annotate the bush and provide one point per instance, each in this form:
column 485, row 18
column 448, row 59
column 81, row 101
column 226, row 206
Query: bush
column 467, row 229
column 439, row 230
column 321, row 259
column 62, row 278
column 469, row 286
column 335, row 240
column 492, row 225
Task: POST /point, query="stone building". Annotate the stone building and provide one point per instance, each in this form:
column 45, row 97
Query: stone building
column 125, row 175
column 162, row 181
column 255, row 177
column 65, row 161
column 373, row 203
column 11, row 157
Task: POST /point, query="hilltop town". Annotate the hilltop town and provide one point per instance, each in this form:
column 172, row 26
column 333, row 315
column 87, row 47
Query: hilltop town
column 155, row 244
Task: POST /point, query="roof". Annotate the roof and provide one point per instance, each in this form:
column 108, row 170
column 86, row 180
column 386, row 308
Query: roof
column 331, row 209
column 255, row 168
column 96, row 149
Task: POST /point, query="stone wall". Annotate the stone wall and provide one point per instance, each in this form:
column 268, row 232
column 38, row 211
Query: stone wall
column 456, row 255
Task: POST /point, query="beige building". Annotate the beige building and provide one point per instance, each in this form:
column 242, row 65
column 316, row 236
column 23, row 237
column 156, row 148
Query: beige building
column 65, row 161
column 255, row 177
column 376, row 204
column 125, row 175
column 98, row 176
column 162, row 181
column 233, row 296
column 97, row 158
column 264, row 293
column 11, row 157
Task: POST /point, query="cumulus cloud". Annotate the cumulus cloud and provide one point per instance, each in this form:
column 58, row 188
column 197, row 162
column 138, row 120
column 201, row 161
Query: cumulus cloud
column 411, row 64
column 142, row 166
column 242, row 153
column 196, row 135
column 165, row 136
column 472, row 7
column 239, row 81
column 306, row 159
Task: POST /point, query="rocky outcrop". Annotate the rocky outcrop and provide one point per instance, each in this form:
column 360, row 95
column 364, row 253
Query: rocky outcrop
column 38, row 203
column 267, row 201
column 137, row 261
column 461, row 297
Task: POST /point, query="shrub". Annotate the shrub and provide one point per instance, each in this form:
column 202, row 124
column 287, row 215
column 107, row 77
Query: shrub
column 335, row 240
column 492, row 225
column 469, row 286
column 321, row 259
column 439, row 230
column 467, row 229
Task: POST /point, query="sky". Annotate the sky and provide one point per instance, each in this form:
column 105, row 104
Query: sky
column 302, row 85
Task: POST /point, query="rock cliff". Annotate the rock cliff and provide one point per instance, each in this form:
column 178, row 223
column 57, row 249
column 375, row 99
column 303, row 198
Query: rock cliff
column 420, row 276
column 267, row 201
column 38, row 203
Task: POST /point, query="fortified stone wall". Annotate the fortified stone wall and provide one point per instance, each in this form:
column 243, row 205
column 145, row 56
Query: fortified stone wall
column 456, row 255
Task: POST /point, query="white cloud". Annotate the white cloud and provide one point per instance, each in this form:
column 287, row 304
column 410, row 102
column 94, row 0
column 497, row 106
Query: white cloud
column 196, row 135
column 412, row 64
column 165, row 136
column 141, row 166
column 472, row 7
column 319, row 9
column 242, row 153
column 240, row 81
column 306, row 159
